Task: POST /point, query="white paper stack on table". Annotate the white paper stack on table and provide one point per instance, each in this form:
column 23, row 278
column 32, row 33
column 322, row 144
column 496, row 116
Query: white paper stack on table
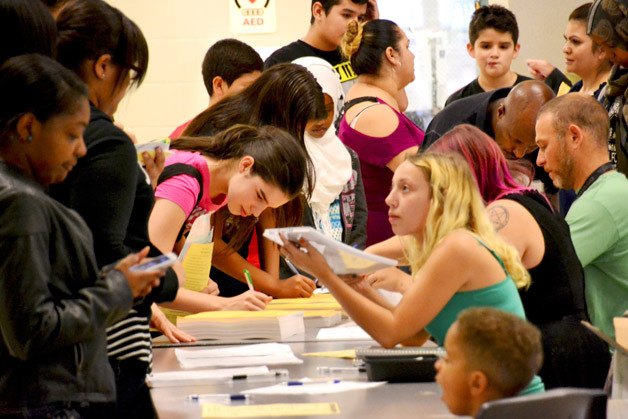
column 242, row 325
column 238, row 356
column 342, row 258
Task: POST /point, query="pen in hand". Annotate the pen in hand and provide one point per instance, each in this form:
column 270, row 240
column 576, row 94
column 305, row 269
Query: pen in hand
column 295, row 270
column 249, row 280
column 292, row 267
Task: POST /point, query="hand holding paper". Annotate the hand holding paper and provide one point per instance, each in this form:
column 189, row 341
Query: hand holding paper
column 338, row 257
column 310, row 260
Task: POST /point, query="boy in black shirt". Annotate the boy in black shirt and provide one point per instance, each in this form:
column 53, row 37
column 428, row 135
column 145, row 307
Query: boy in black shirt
column 493, row 43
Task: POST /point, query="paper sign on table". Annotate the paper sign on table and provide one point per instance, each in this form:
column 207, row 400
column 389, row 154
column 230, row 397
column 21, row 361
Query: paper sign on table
column 342, row 354
column 269, row 410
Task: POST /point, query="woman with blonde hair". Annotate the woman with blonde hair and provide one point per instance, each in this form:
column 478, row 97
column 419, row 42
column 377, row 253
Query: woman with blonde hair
column 434, row 204
column 373, row 124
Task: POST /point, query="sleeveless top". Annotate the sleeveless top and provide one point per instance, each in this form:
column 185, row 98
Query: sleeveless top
column 555, row 303
column 502, row 296
column 557, row 288
column 374, row 154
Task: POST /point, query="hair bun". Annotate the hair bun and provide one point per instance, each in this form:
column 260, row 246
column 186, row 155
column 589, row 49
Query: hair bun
column 352, row 39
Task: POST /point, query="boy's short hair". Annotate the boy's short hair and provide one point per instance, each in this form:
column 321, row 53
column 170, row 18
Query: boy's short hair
column 503, row 346
column 328, row 4
column 229, row 59
column 493, row 17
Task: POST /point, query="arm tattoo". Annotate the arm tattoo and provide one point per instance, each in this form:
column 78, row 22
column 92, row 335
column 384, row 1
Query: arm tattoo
column 499, row 216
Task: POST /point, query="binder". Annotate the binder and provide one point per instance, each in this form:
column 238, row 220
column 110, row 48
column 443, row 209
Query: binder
column 400, row 365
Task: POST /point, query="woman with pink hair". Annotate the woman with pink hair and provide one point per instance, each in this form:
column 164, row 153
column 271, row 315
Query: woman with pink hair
column 555, row 300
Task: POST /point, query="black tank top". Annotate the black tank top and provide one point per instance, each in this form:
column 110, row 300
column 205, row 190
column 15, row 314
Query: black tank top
column 557, row 288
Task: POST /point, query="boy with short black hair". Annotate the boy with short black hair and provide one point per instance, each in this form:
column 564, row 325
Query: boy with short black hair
column 491, row 355
column 328, row 25
column 493, row 43
column 229, row 67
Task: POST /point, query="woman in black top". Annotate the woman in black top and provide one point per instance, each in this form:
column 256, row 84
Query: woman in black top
column 108, row 188
column 54, row 305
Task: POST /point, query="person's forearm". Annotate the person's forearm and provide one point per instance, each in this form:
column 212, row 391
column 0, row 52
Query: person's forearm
column 372, row 294
column 375, row 319
column 390, row 248
column 195, row 302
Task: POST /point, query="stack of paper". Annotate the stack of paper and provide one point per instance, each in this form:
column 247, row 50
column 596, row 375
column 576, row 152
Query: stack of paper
column 240, row 325
column 237, row 356
column 318, row 311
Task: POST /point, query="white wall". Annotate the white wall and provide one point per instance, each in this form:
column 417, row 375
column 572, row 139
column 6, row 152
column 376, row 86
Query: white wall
column 178, row 34
column 180, row 31
column 541, row 27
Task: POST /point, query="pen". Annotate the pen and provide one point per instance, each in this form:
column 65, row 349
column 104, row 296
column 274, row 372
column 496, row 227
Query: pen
column 273, row 374
column 220, row 398
column 292, row 267
column 249, row 281
column 339, row 370
column 295, row 270
column 305, row 383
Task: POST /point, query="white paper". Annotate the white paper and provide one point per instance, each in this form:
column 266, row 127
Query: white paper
column 180, row 378
column 201, row 232
column 234, row 356
column 329, row 387
column 348, row 331
column 237, row 350
column 342, row 258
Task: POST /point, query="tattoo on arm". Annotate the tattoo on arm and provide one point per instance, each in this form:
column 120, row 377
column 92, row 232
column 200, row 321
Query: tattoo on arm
column 499, row 216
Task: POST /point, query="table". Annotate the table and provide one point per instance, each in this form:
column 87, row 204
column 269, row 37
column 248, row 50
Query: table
column 403, row 400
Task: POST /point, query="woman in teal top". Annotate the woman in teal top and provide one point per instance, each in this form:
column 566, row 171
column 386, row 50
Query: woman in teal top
column 457, row 259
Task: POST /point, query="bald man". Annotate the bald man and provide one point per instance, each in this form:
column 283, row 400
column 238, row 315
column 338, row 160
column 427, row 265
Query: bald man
column 508, row 115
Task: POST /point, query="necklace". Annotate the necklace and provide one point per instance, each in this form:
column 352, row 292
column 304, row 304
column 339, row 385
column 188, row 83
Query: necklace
column 606, row 167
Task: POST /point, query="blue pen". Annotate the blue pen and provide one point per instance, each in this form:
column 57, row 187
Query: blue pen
column 305, row 383
column 295, row 270
column 292, row 267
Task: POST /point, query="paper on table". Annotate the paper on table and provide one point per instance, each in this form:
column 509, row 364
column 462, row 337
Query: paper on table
column 196, row 258
column 269, row 410
column 348, row 331
column 343, row 354
column 329, row 387
column 180, row 378
column 234, row 356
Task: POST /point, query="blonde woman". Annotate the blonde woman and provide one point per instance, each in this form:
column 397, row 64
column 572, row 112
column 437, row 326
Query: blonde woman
column 457, row 259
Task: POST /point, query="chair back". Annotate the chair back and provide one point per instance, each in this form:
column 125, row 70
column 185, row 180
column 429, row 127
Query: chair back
column 560, row 403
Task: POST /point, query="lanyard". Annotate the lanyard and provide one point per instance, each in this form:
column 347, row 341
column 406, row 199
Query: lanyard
column 606, row 167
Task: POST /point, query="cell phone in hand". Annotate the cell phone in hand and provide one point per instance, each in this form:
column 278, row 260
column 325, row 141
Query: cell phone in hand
column 153, row 264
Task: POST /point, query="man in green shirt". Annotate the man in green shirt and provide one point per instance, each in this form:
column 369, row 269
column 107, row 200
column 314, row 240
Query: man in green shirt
column 572, row 133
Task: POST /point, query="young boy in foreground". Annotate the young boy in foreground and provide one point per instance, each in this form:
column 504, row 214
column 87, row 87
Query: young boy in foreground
column 491, row 355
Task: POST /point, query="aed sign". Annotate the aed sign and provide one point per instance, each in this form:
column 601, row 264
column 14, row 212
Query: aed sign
column 253, row 16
